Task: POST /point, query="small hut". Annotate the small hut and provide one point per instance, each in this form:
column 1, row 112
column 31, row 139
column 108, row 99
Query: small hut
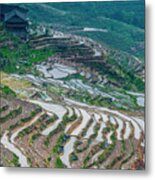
column 14, row 19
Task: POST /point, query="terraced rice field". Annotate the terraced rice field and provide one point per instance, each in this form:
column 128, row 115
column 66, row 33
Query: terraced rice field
column 69, row 135
column 68, row 115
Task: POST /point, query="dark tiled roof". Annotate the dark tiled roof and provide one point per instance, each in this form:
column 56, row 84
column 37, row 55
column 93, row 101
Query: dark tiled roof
column 13, row 13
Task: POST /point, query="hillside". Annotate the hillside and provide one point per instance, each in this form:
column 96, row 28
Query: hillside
column 123, row 22
column 72, row 96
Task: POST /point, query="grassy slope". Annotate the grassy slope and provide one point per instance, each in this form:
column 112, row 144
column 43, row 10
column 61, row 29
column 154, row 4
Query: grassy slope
column 123, row 20
column 17, row 56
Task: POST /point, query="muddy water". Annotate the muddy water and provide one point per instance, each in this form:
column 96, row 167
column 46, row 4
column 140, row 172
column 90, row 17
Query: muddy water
column 85, row 120
column 137, row 129
column 57, row 71
column 119, row 129
column 22, row 158
column 54, row 108
column 109, row 137
column 68, row 126
column 90, row 130
column 14, row 135
column 100, row 135
column 68, row 148
column 127, row 130
column 11, row 144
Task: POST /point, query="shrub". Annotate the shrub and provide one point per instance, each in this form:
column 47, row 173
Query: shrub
column 6, row 90
column 58, row 163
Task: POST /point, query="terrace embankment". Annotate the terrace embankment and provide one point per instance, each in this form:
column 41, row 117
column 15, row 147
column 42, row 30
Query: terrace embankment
column 102, row 62
column 82, row 137
column 71, row 114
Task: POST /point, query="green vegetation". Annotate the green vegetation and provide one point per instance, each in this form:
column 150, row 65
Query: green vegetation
column 90, row 99
column 6, row 90
column 123, row 145
column 60, row 128
column 55, row 90
column 15, row 161
column 26, row 131
column 123, row 101
column 106, row 153
column 102, row 145
column 34, row 137
column 107, row 150
column 95, row 129
column 4, row 108
column 74, row 76
column 18, row 56
column 125, row 74
column 128, row 12
column 26, row 119
column 114, row 161
column 86, row 160
column 58, row 163
column 32, row 115
column 124, row 21
column 14, row 126
column 58, row 148
column 84, row 130
column 67, row 119
column 90, row 139
column 73, row 157
column 12, row 114
column 106, row 130
column 36, row 127
column 51, row 120
column 119, row 72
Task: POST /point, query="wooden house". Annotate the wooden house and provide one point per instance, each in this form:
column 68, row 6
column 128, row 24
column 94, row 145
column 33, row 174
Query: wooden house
column 14, row 19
